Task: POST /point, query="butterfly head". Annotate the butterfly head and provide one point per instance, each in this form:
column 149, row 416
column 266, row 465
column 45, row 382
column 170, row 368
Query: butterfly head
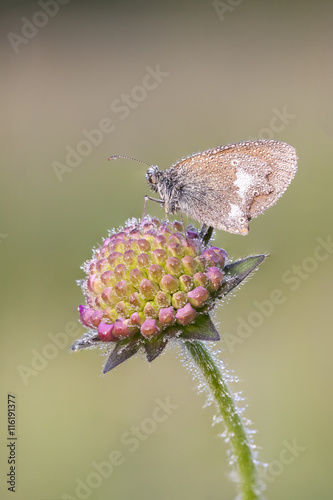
column 153, row 177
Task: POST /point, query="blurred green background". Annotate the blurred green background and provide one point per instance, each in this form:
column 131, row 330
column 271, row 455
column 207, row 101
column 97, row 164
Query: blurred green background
column 228, row 71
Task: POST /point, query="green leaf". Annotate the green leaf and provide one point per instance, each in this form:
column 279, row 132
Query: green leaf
column 202, row 329
column 123, row 350
column 237, row 271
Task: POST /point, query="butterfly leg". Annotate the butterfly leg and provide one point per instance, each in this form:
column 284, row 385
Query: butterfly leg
column 184, row 228
column 183, row 224
column 145, row 204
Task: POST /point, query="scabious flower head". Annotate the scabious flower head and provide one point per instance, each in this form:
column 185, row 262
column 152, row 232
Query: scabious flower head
column 148, row 277
column 148, row 282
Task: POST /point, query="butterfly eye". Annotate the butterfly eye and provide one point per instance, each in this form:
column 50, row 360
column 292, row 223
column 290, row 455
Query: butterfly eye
column 152, row 175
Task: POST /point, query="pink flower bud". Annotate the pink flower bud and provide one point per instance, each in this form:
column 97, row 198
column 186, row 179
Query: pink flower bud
column 186, row 283
column 117, row 244
column 106, row 242
column 223, row 256
column 105, row 332
column 143, row 246
column 148, row 289
column 136, row 319
column 159, row 256
column 130, row 258
column 173, row 266
column 85, row 315
column 215, row 276
column 200, row 279
column 106, row 295
column 122, row 309
column 212, row 257
column 169, row 283
column 110, row 314
column 108, row 278
column 185, row 315
column 167, row 316
column 102, row 265
column 121, row 329
column 143, row 261
column 120, row 272
column 94, row 284
column 190, row 264
column 136, row 301
column 150, row 311
column 150, row 328
column 135, row 234
column 115, row 258
column 198, row 296
column 155, row 273
column 96, row 318
column 176, row 249
column 120, row 289
column 162, row 299
column 164, row 230
column 160, row 241
column 136, row 276
column 179, row 300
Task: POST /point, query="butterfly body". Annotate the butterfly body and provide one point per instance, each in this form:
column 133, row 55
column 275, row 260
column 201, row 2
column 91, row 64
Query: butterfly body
column 227, row 186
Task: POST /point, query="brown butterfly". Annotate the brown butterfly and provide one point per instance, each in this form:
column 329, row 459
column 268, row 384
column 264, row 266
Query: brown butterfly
column 227, row 186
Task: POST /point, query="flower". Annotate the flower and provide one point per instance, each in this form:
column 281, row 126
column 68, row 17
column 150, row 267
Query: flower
column 152, row 281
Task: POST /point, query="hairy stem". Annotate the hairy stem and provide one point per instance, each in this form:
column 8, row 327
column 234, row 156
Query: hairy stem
column 236, row 431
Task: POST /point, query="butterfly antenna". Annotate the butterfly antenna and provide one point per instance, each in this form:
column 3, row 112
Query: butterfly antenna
column 115, row 157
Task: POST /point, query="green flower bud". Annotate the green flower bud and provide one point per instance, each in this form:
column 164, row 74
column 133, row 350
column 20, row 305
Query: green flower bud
column 148, row 289
column 155, row 273
column 162, row 299
column 169, row 283
column 179, row 300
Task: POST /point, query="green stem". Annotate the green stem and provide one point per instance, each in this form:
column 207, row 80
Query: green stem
column 236, row 431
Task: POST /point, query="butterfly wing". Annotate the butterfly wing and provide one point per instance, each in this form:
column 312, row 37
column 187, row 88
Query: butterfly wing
column 227, row 186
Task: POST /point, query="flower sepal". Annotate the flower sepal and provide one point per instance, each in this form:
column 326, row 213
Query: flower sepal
column 88, row 339
column 236, row 272
column 201, row 329
column 123, row 350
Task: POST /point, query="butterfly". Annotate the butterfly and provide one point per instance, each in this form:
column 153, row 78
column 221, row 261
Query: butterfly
column 227, row 186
